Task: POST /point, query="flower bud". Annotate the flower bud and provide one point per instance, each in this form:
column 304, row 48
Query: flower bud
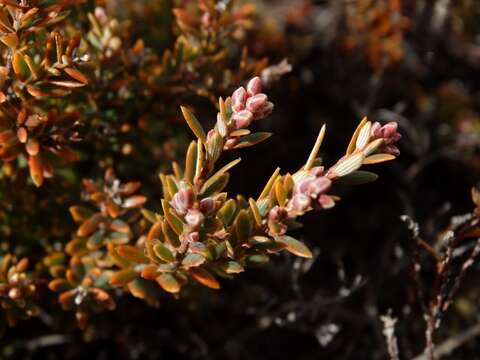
column 239, row 97
column 207, row 205
column 242, row 119
column 277, row 213
column 325, row 202
column 254, row 86
column 389, row 130
column 317, row 171
column 319, row 186
column 264, row 111
column 194, row 218
column 193, row 236
column 376, row 131
column 300, row 202
column 183, row 200
column 256, row 102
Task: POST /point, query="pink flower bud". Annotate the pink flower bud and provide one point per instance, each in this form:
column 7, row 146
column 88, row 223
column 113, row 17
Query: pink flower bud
column 376, row 130
column 194, row 218
column 300, row 202
column 317, row 171
column 391, row 149
column 239, row 97
column 254, row 86
column 277, row 213
column 389, row 130
column 193, row 237
column 319, row 186
column 242, row 119
column 325, row 202
column 183, row 200
column 264, row 111
column 207, row 205
column 256, row 102
column 303, row 185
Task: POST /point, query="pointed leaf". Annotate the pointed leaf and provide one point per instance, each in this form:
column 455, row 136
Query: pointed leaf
column 194, row 124
column 294, row 246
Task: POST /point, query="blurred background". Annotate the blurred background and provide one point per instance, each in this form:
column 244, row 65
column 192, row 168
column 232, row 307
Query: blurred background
column 411, row 61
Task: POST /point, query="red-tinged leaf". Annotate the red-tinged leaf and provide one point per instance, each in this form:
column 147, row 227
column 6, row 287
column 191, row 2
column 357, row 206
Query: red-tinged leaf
column 294, row 246
column 112, row 208
column 155, row 231
column 59, row 285
column 132, row 253
column 104, row 298
column 66, row 84
column 36, row 170
column 36, row 92
column 205, row 278
column 20, row 67
column 66, row 299
column 150, row 272
column 120, row 226
column 134, row 201
column 66, row 154
column 123, row 277
column 80, row 213
column 145, row 290
column 90, row 225
column 169, row 283
column 22, row 135
column 77, row 75
column 32, row 147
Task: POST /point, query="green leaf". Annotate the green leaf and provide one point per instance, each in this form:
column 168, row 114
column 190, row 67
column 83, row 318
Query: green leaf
column 269, row 184
column 190, row 162
column 215, row 147
column 214, row 186
column 358, row 177
column 222, row 171
column 232, row 267
column 255, row 211
column 294, row 246
column 257, row 259
column 243, row 226
column 252, row 139
column 172, row 219
column 163, row 252
column 194, row 124
column 193, row 260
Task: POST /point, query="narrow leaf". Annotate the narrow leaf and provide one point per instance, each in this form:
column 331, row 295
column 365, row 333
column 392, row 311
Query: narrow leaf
column 194, row 124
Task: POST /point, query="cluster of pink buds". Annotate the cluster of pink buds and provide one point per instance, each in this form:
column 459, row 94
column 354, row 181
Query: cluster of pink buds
column 192, row 211
column 249, row 104
column 309, row 192
column 390, row 136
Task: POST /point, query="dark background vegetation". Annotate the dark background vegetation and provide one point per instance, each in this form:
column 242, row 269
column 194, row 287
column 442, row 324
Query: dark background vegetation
column 329, row 307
